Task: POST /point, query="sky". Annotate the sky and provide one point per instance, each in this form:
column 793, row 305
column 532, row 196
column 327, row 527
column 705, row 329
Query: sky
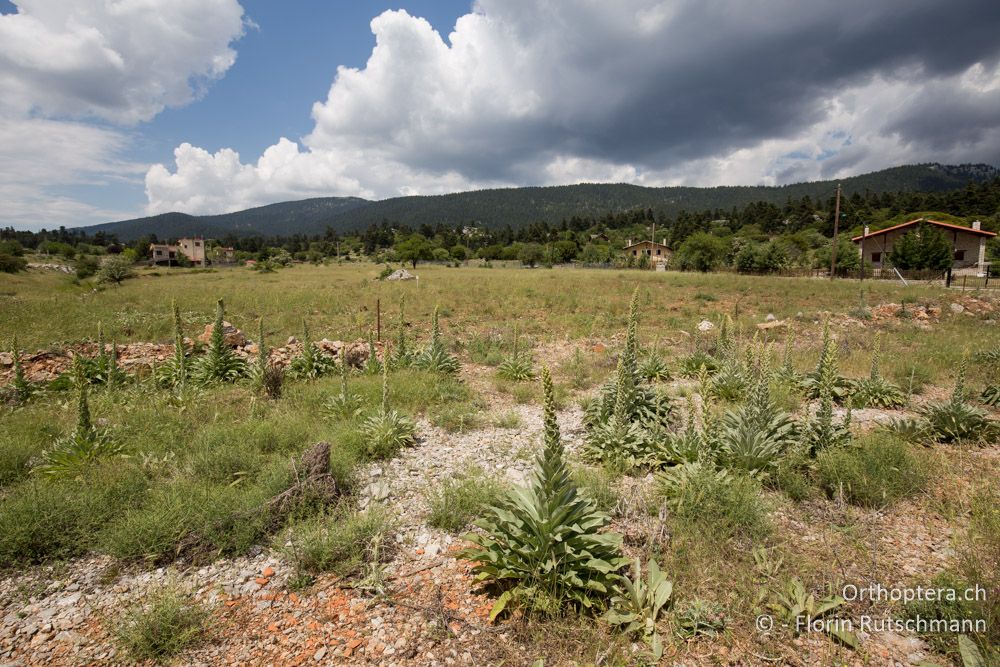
column 115, row 109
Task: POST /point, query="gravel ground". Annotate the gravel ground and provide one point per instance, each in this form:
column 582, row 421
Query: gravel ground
column 429, row 612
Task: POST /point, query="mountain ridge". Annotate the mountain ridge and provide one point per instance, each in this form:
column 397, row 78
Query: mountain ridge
column 522, row 206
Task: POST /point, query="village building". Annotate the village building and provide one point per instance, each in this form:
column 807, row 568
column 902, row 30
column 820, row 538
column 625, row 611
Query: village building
column 658, row 254
column 192, row 248
column 968, row 244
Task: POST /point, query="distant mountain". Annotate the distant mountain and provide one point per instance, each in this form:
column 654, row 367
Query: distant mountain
column 522, row 206
column 274, row 219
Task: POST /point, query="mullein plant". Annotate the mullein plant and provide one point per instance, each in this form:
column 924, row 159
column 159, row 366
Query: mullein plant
column 219, row 363
column 620, row 440
column 786, row 373
column 956, row 420
column 518, row 366
column 174, row 373
column 21, row 386
column 640, row 402
column 826, row 371
column 258, row 369
column 85, row 445
column 401, row 356
column 312, row 363
column 542, row 547
column 823, row 432
column 875, row 391
column 344, row 404
column 435, row 357
column 387, row 431
column 372, row 364
column 754, row 436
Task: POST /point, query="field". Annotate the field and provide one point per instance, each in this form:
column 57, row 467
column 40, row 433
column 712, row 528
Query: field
column 189, row 520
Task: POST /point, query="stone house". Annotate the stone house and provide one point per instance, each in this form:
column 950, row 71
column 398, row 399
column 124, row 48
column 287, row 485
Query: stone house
column 968, row 244
column 657, row 253
column 192, row 248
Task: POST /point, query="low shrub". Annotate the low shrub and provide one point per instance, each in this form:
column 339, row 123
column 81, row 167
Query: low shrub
column 713, row 502
column 340, row 540
column 43, row 520
column 457, row 501
column 875, row 472
column 161, row 627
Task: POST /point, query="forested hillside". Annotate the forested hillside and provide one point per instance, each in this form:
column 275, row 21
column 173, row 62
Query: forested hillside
column 521, row 207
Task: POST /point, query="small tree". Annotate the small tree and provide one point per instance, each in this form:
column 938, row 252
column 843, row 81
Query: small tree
column 702, row 252
column 114, row 269
column 531, row 254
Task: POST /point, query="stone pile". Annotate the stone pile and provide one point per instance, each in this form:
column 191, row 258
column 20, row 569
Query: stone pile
column 47, row 365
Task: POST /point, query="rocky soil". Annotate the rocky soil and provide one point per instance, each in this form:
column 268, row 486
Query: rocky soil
column 429, row 611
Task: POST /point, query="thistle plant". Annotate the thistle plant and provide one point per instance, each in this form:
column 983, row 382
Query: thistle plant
column 219, row 363
column 84, row 445
column 875, row 391
column 542, row 548
column 518, row 366
column 312, row 363
column 22, row 388
column 435, row 357
column 387, row 431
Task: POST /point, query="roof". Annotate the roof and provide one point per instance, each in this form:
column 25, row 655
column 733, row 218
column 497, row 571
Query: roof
column 639, row 243
column 943, row 225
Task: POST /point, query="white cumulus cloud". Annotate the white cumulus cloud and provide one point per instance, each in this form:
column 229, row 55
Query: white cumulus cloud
column 655, row 93
column 74, row 73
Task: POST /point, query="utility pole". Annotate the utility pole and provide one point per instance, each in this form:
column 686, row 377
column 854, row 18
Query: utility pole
column 836, row 230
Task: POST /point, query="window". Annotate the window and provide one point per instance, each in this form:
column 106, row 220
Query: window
column 959, row 255
column 657, row 251
column 635, row 252
column 876, row 257
column 197, row 244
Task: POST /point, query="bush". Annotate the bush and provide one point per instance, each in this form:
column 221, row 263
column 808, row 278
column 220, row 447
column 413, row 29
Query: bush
column 165, row 625
column 875, row 472
column 460, row 499
column 712, row 502
column 339, row 541
column 12, row 263
column 87, row 266
column 43, row 520
column 114, row 269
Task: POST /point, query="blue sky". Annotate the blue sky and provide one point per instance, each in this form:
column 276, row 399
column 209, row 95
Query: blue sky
column 109, row 111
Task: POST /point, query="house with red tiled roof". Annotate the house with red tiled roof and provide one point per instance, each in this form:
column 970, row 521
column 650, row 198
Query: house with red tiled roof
column 968, row 243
